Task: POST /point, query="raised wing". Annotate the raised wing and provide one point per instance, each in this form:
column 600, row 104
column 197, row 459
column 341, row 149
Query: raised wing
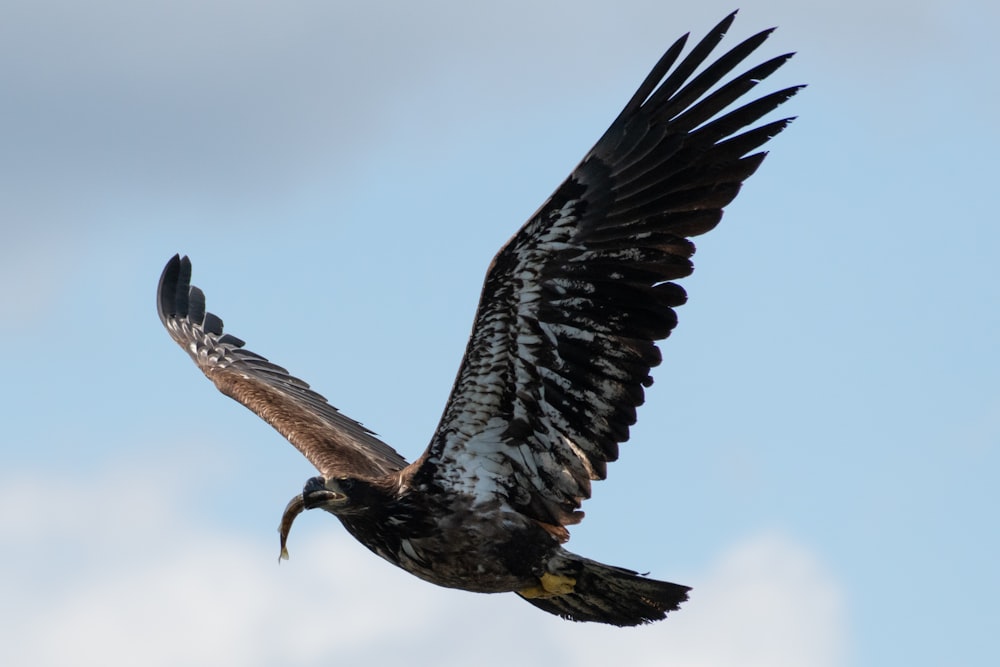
column 565, row 332
column 336, row 445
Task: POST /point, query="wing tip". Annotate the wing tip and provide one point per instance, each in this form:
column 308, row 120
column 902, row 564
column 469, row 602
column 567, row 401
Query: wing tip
column 723, row 26
column 178, row 299
column 171, row 291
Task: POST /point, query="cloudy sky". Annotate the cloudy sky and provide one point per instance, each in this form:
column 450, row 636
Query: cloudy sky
column 818, row 458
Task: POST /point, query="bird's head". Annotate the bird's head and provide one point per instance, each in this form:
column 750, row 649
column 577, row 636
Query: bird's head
column 343, row 495
column 339, row 496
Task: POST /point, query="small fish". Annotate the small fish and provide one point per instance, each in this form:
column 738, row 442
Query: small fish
column 295, row 507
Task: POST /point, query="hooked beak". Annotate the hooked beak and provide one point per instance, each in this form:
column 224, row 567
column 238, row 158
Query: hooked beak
column 316, row 494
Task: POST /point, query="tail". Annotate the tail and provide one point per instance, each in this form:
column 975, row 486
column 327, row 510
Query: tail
column 613, row 595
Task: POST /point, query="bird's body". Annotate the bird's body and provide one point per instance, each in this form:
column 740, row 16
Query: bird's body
column 561, row 349
column 436, row 537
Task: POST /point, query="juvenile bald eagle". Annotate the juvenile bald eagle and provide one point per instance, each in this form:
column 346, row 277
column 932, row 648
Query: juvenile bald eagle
column 562, row 347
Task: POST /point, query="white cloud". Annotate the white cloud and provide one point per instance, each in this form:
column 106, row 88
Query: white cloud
column 114, row 571
column 116, row 100
column 768, row 601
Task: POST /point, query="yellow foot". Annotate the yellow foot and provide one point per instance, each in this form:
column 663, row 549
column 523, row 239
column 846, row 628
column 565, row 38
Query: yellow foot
column 549, row 585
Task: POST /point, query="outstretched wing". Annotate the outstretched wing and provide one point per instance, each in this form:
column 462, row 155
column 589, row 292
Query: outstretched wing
column 565, row 332
column 336, row 445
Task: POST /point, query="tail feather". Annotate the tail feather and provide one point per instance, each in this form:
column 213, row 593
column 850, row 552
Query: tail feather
column 613, row 595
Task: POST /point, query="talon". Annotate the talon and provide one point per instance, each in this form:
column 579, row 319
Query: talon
column 556, row 584
column 532, row 592
column 550, row 585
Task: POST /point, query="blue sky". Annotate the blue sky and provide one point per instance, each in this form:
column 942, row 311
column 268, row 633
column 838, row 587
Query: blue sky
column 817, row 458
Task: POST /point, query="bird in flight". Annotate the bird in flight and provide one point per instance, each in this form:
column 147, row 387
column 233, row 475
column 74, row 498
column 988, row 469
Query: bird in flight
column 560, row 353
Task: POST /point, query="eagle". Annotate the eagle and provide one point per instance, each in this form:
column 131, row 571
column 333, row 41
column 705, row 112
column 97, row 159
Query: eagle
column 565, row 336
